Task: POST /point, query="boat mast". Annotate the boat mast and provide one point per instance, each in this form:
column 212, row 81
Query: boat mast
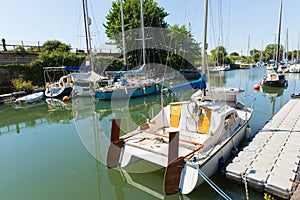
column 87, row 23
column 278, row 37
column 297, row 49
column 85, row 27
column 204, row 45
column 143, row 33
column 123, row 34
column 287, row 46
column 248, row 50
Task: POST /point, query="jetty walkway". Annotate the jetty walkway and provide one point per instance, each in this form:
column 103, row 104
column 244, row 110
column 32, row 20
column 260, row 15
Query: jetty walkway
column 270, row 162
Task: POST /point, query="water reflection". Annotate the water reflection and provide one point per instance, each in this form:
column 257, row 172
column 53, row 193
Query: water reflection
column 272, row 93
column 33, row 115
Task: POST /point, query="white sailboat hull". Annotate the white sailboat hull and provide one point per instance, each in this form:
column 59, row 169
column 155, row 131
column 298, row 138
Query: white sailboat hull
column 191, row 178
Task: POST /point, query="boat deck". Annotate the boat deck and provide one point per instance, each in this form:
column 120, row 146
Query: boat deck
column 271, row 161
column 154, row 147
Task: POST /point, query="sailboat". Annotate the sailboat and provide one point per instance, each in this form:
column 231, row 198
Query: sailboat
column 85, row 79
column 295, row 67
column 133, row 83
column 190, row 139
column 273, row 78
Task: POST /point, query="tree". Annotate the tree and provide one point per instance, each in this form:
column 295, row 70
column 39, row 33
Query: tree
column 55, row 45
column 234, row 54
column 256, row 55
column 164, row 44
column 219, row 55
column 271, row 51
column 185, row 50
column 154, row 16
column 20, row 50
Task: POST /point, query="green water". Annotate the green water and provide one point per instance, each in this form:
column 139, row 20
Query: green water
column 48, row 153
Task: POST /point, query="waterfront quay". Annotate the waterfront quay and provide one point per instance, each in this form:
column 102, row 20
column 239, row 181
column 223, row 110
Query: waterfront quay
column 270, row 162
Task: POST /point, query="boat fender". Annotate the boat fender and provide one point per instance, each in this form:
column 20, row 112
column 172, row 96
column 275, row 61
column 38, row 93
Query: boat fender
column 66, row 98
column 144, row 89
column 248, row 132
column 234, row 150
column 257, row 86
column 126, row 91
column 221, row 163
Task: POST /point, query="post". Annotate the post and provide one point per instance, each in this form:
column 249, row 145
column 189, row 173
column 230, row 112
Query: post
column 173, row 146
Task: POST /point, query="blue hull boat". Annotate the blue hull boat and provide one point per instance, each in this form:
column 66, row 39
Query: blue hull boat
column 128, row 92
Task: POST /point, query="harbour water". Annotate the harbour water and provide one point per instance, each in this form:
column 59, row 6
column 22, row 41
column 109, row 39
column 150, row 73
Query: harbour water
column 49, row 152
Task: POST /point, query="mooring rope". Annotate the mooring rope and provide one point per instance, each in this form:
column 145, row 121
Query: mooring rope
column 244, row 177
column 211, row 183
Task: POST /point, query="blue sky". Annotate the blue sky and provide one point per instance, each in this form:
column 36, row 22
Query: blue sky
column 31, row 21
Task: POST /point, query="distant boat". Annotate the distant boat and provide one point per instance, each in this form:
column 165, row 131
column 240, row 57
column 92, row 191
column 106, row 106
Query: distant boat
column 275, row 79
column 224, row 67
column 57, row 88
column 260, row 63
column 245, row 66
column 271, row 65
column 127, row 88
column 30, row 98
column 226, row 94
column 220, row 68
column 242, row 64
column 294, row 68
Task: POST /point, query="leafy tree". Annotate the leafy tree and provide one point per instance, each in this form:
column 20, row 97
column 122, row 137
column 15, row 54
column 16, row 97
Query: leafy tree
column 219, row 55
column 153, row 16
column 55, row 45
column 234, row 54
column 20, row 50
column 255, row 54
column 271, row 51
column 179, row 47
column 185, row 51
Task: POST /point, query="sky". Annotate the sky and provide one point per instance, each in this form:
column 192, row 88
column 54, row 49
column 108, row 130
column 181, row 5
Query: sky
column 239, row 25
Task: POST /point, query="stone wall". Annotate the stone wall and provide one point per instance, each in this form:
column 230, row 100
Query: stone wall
column 9, row 58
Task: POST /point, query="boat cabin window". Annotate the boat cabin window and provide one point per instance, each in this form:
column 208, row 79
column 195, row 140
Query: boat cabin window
column 104, row 83
column 229, row 121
